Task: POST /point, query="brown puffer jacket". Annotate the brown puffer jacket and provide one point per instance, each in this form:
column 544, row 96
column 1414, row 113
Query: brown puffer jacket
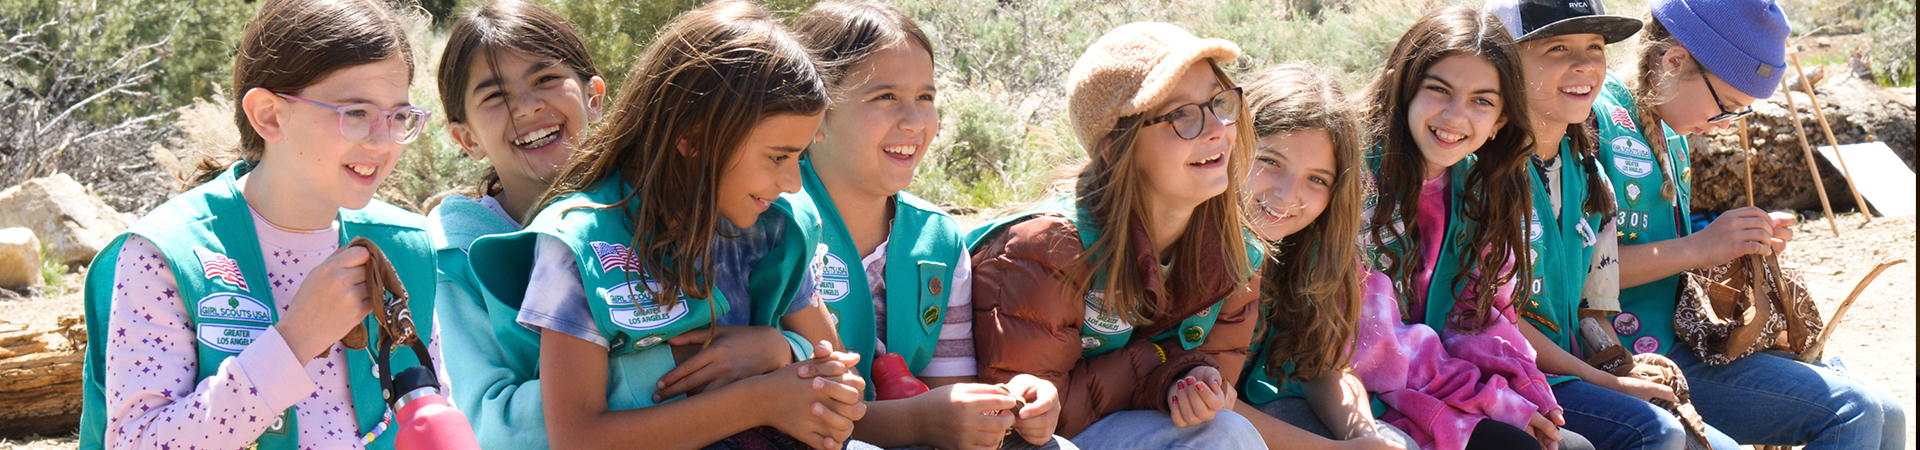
column 1025, row 322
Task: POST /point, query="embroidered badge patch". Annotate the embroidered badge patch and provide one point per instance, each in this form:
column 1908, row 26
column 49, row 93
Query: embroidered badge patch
column 219, row 267
column 1626, row 324
column 614, row 257
column 633, row 307
column 1632, row 157
column 1099, row 321
column 229, row 338
column 1646, row 344
column 230, row 306
column 834, row 284
column 1620, row 116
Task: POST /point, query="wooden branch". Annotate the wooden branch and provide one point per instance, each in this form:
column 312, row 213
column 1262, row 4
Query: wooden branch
column 1793, row 114
column 1824, row 128
column 1812, row 353
column 1746, row 156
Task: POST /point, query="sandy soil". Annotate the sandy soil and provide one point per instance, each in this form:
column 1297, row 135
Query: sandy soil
column 1871, row 341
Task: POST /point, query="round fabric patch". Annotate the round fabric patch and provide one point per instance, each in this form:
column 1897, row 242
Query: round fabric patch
column 1646, row 344
column 1626, row 323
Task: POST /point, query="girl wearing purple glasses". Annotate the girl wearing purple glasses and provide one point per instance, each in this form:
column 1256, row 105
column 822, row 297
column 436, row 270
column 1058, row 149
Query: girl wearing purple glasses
column 223, row 310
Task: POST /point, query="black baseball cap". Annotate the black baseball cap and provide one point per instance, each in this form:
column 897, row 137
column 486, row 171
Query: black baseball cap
column 1527, row 20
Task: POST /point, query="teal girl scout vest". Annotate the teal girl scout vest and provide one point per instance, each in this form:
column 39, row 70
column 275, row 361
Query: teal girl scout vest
column 1441, row 293
column 481, row 337
column 211, row 223
column 1103, row 332
column 1562, row 251
column 1646, row 323
column 922, row 245
column 620, row 297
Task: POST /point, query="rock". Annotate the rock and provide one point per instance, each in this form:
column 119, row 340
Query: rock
column 1816, row 73
column 1858, row 111
column 72, row 222
column 19, row 259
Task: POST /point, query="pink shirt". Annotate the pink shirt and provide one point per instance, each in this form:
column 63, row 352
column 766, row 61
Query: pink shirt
column 152, row 399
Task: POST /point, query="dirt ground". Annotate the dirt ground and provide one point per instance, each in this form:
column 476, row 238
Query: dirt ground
column 1872, row 340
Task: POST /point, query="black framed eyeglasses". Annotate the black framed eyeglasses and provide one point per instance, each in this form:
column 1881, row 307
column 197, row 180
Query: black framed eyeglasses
column 1724, row 115
column 1225, row 108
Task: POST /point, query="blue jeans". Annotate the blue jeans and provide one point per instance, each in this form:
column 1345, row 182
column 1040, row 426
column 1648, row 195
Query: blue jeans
column 1616, row 421
column 1766, row 399
column 1297, row 412
column 1154, row 430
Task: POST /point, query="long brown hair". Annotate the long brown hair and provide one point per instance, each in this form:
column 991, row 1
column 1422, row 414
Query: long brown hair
column 843, row 34
column 509, row 25
column 708, row 79
column 292, row 44
column 1311, row 285
column 1655, row 41
column 1497, row 191
column 1112, row 189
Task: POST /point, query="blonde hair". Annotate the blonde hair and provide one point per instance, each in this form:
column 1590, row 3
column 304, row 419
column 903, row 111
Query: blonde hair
column 1112, row 190
column 1655, row 42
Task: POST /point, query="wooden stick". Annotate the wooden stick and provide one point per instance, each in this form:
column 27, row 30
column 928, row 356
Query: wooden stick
column 1824, row 128
column 1812, row 353
column 1746, row 155
column 1793, row 113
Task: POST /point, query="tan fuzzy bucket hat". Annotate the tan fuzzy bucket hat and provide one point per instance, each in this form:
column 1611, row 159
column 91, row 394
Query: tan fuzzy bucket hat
column 1130, row 69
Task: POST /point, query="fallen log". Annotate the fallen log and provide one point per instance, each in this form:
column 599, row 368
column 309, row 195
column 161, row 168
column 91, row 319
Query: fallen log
column 40, row 378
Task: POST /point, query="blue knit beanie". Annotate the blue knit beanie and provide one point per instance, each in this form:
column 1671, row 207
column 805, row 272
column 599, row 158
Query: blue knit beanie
column 1744, row 42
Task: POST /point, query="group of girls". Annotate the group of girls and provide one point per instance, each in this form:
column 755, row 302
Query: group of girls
column 724, row 256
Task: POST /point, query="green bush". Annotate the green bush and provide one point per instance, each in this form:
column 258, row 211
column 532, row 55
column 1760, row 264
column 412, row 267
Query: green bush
column 198, row 38
column 616, row 31
column 1892, row 31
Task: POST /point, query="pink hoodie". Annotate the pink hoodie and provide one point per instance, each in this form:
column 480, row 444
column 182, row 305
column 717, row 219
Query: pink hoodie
column 1438, row 388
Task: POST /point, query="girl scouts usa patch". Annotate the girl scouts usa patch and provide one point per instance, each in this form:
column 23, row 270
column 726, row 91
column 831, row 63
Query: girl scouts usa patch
column 834, row 283
column 220, row 268
column 230, row 322
column 1632, row 157
column 1099, row 321
column 636, row 309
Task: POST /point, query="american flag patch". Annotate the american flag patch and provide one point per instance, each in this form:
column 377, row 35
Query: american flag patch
column 220, row 267
column 615, row 256
column 1620, row 117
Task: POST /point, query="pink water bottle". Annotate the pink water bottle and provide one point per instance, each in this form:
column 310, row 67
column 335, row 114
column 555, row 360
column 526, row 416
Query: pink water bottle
column 423, row 418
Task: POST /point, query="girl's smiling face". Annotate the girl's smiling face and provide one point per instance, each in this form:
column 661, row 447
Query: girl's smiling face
column 526, row 114
column 1186, row 171
column 1563, row 76
column 879, row 129
column 1291, row 182
column 1456, row 110
column 766, row 165
column 307, row 142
